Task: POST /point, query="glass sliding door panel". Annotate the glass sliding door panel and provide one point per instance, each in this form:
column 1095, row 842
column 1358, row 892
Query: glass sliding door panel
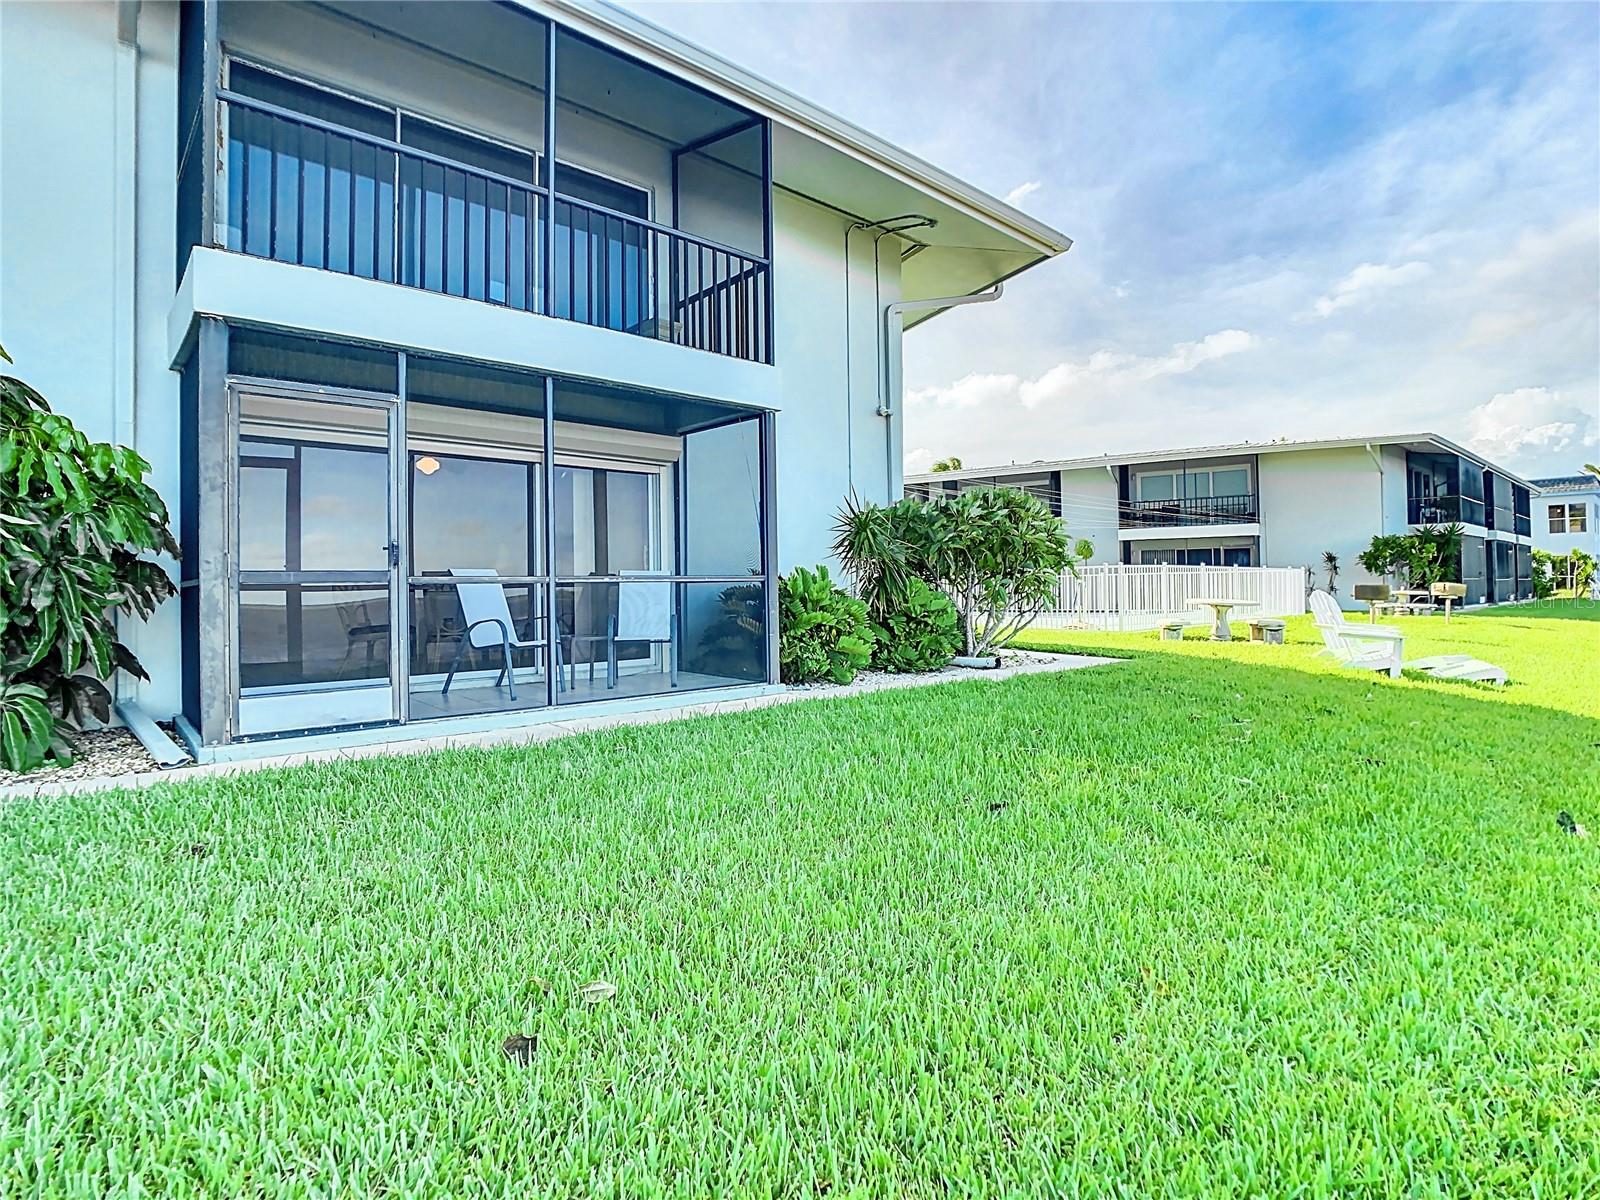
column 315, row 554
column 607, row 520
column 1156, row 487
column 1231, row 481
column 472, row 512
column 612, row 522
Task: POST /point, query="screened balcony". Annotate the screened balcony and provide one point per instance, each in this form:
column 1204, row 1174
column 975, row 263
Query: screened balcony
column 424, row 146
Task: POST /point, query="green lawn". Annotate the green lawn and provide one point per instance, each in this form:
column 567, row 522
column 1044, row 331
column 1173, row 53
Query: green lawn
column 1215, row 921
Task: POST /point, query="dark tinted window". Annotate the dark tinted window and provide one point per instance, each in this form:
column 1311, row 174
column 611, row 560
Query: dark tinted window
column 607, row 193
column 465, row 148
column 310, row 100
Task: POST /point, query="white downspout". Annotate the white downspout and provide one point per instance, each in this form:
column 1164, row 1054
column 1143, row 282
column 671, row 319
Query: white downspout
column 893, row 328
column 125, row 274
column 1377, row 458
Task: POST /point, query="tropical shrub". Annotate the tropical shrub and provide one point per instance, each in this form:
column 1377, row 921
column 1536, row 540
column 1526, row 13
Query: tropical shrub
column 823, row 631
column 1423, row 558
column 1385, row 556
column 1000, row 561
column 923, row 634
column 998, row 553
column 1574, row 570
column 886, row 548
column 75, row 518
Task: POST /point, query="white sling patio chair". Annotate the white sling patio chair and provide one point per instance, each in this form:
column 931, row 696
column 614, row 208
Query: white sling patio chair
column 488, row 623
column 645, row 613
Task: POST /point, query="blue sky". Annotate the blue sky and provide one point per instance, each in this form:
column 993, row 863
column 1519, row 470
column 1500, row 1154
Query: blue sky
column 1290, row 220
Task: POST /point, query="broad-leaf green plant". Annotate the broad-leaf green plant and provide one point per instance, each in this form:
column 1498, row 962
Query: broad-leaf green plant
column 1422, row 558
column 923, row 634
column 76, row 520
column 1001, row 560
column 823, row 631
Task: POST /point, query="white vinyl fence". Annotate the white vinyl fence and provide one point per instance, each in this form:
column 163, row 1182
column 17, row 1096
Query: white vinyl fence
column 1122, row 597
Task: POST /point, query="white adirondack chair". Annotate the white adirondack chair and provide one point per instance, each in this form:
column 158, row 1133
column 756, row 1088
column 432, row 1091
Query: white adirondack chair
column 1378, row 648
column 1366, row 647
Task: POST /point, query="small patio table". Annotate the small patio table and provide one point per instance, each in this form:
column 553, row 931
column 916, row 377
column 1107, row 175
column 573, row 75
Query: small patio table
column 1219, row 606
column 1411, row 599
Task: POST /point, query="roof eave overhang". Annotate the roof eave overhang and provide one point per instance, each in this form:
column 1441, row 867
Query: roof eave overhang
column 643, row 40
column 1203, row 452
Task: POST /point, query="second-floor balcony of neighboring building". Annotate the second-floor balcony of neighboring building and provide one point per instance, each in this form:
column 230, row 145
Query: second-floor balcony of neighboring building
column 1444, row 510
column 424, row 146
column 1192, row 510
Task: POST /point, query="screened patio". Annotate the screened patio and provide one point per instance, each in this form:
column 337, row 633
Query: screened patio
column 415, row 538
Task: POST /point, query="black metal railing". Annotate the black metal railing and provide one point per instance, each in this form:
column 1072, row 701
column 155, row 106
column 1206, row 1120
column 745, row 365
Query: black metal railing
column 1444, row 510
column 1192, row 510
column 317, row 194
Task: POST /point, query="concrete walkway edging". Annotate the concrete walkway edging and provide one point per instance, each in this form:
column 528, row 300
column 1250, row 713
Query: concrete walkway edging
column 550, row 730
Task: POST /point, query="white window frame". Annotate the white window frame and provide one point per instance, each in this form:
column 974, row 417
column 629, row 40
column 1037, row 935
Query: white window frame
column 1182, row 492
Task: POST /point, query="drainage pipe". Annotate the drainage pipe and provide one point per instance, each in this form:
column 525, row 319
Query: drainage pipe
column 1377, row 459
column 893, row 328
column 151, row 736
column 887, row 225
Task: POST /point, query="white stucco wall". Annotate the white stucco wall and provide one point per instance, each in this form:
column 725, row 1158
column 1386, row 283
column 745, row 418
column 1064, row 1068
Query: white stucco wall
column 1089, row 510
column 87, row 270
column 830, row 438
column 1317, row 500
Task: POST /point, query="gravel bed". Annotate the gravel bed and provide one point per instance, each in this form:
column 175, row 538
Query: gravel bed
column 101, row 752
column 871, row 680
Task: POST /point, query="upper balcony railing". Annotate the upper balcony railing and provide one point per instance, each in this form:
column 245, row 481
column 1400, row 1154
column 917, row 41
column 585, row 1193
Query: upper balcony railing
column 1192, row 510
column 1444, row 510
column 307, row 191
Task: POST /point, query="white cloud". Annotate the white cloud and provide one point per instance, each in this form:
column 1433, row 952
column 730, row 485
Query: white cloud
column 1107, row 370
column 1367, row 280
column 917, row 461
column 1022, row 191
column 1102, row 372
column 1530, row 421
column 970, row 391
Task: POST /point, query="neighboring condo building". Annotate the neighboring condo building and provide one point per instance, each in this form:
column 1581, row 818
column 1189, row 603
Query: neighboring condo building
column 1284, row 504
column 1566, row 514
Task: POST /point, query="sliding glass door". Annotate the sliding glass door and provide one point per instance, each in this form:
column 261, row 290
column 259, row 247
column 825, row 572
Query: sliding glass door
column 317, row 557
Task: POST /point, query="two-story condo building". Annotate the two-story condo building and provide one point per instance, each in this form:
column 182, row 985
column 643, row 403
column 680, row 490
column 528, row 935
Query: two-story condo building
column 1283, row 504
column 493, row 358
column 1566, row 514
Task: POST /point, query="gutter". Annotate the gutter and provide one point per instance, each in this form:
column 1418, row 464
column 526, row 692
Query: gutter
column 893, row 328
